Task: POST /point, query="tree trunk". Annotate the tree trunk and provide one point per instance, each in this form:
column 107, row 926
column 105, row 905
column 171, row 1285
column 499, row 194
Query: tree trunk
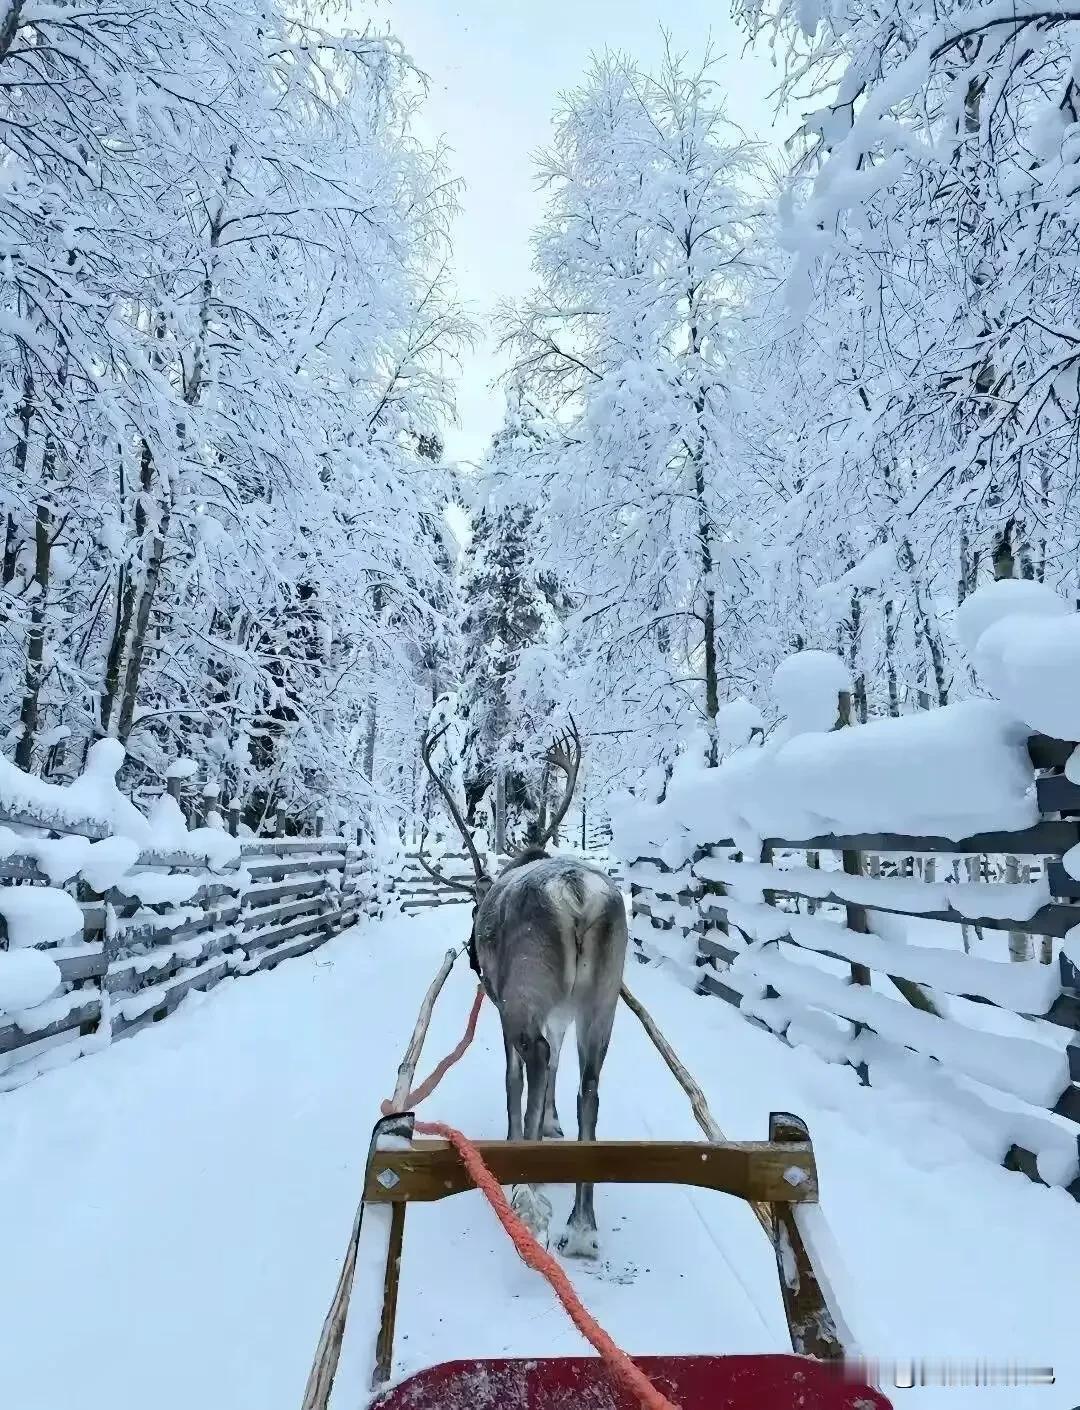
column 937, row 654
column 372, row 727
column 11, row 548
column 126, row 594
column 890, row 658
column 539, row 827
column 133, row 624
column 712, row 683
column 858, row 677
column 35, row 644
column 925, row 629
column 1020, row 945
column 500, row 811
column 12, row 535
column 150, row 582
column 1004, row 559
column 10, row 26
column 370, row 731
column 1046, row 949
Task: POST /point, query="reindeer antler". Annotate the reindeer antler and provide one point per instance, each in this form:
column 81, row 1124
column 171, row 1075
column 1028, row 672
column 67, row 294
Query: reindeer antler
column 427, row 744
column 564, row 755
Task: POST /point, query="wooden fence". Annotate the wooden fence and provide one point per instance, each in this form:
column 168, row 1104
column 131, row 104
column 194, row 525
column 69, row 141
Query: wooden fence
column 174, row 922
column 809, row 941
column 417, row 890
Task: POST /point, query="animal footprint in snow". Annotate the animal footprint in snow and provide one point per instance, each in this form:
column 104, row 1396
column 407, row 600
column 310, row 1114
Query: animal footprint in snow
column 622, row 1275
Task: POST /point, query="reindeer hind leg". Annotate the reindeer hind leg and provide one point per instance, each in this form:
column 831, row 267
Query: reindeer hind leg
column 514, row 1089
column 580, row 1239
column 529, row 1202
column 555, row 1034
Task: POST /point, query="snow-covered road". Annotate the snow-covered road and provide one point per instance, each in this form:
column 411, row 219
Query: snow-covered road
column 173, row 1211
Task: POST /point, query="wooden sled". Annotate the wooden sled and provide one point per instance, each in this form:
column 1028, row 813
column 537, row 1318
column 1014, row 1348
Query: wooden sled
column 776, row 1176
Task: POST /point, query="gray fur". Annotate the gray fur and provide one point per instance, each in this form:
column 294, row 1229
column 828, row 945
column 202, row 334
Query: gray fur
column 550, row 938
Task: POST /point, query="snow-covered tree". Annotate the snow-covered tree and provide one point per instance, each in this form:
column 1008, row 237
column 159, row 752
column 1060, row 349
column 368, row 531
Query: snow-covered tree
column 512, row 678
column 932, row 375
column 229, row 327
column 642, row 262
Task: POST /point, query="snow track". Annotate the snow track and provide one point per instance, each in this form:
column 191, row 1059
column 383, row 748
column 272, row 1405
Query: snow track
column 173, row 1210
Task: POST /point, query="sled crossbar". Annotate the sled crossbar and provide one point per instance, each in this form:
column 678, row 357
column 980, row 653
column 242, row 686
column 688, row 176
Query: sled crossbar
column 768, row 1171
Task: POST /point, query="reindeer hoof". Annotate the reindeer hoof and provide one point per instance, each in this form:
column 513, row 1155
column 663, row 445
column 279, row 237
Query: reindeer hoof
column 553, row 1131
column 576, row 1242
column 534, row 1211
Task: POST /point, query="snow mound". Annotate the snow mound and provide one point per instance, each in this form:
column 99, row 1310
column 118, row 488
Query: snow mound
column 735, row 724
column 27, row 978
column 93, row 807
column 1008, row 597
column 1033, row 666
column 947, row 773
column 39, row 915
column 805, row 689
column 182, row 768
column 1024, row 642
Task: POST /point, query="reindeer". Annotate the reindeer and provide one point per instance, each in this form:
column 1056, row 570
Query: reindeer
column 549, row 943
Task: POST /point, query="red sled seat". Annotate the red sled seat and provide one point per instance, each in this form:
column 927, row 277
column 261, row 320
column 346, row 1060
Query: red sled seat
column 584, row 1383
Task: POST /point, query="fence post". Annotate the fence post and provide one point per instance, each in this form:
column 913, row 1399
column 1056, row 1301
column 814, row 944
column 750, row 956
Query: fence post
column 852, row 864
column 320, row 821
column 708, row 889
column 234, row 817
column 767, row 895
column 813, row 862
column 210, row 794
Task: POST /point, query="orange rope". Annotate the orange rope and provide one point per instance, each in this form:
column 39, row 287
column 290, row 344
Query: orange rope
column 537, row 1258
column 426, row 1087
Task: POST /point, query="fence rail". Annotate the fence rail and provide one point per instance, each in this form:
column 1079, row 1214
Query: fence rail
column 812, row 941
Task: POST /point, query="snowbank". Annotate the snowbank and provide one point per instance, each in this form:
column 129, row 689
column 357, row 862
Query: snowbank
column 736, row 723
column 946, row 773
column 92, row 804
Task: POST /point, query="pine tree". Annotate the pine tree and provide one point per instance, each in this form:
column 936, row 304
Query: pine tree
column 510, row 633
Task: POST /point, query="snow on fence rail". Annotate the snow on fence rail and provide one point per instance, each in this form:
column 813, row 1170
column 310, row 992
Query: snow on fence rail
column 109, row 918
column 843, row 887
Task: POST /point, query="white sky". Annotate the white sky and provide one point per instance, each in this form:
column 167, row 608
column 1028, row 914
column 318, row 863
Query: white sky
column 496, row 68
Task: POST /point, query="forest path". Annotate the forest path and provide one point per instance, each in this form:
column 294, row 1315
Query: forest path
column 173, row 1210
